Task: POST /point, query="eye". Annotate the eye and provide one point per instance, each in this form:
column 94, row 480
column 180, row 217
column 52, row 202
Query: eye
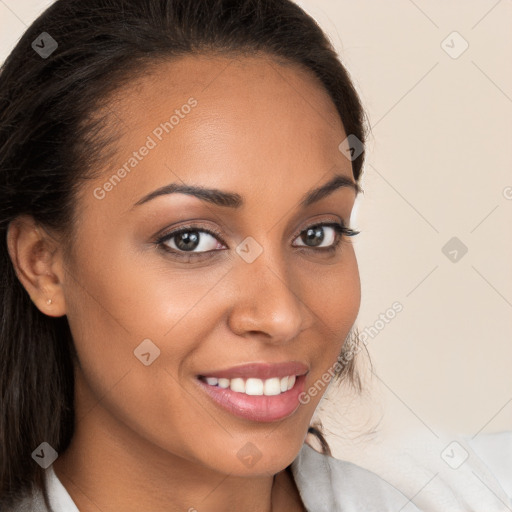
column 315, row 237
column 190, row 240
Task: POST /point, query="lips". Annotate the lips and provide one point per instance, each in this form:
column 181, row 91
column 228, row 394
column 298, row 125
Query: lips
column 260, row 408
column 256, row 391
column 259, row 371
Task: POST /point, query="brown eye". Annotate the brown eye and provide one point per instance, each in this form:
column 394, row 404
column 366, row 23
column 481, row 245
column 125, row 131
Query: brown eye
column 316, row 236
column 190, row 240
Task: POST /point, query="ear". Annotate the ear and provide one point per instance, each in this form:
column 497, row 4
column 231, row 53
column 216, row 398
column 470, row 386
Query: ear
column 37, row 259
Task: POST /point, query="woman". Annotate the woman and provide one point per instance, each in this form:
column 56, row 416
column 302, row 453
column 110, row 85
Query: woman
column 177, row 181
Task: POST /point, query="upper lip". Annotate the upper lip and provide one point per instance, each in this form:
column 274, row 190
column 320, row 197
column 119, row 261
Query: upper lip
column 260, row 370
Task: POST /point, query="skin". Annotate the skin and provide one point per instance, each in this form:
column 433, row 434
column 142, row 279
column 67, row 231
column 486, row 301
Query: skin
column 147, row 437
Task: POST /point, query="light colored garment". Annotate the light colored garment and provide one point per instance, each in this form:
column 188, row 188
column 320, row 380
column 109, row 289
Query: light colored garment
column 327, row 484
column 447, row 472
column 324, row 483
column 495, row 451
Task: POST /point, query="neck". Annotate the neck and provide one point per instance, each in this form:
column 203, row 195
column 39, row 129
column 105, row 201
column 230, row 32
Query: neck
column 103, row 469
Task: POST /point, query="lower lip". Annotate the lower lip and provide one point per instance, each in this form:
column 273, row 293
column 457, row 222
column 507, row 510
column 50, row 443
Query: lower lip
column 261, row 408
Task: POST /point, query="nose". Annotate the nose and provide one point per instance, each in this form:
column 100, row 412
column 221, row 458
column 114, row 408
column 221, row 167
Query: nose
column 267, row 302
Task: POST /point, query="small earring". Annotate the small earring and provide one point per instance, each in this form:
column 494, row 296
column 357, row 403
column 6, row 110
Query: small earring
column 49, row 301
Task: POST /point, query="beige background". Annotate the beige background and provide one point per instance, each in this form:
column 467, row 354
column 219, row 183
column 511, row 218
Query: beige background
column 439, row 164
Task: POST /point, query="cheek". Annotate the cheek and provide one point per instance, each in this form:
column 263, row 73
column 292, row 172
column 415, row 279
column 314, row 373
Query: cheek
column 334, row 296
column 114, row 303
column 115, row 300
column 108, row 322
column 333, row 293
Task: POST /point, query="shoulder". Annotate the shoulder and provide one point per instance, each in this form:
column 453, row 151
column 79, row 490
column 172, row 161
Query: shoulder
column 333, row 485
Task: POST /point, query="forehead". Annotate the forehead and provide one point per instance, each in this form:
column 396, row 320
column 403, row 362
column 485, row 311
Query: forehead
column 240, row 123
column 222, row 77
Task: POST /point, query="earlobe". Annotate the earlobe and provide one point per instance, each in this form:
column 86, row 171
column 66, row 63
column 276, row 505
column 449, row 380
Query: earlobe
column 35, row 256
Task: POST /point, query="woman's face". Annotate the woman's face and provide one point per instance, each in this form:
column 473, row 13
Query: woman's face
column 150, row 313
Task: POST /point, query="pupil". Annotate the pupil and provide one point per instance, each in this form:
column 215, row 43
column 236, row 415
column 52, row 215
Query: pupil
column 313, row 233
column 187, row 241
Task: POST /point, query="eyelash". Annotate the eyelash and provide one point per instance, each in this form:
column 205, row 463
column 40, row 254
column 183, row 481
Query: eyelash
column 340, row 229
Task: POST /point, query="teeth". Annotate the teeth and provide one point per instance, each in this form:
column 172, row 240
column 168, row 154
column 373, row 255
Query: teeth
column 223, row 383
column 237, row 385
column 252, row 386
column 272, row 387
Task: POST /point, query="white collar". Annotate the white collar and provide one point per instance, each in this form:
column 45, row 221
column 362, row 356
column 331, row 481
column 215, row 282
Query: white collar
column 60, row 500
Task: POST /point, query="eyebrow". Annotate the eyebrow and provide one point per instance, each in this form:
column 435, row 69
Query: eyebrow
column 234, row 200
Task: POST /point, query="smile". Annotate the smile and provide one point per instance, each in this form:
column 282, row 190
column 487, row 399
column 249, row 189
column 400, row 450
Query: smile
column 254, row 386
column 255, row 399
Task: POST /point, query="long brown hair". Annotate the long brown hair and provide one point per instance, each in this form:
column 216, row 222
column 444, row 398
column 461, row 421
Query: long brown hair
column 50, row 144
